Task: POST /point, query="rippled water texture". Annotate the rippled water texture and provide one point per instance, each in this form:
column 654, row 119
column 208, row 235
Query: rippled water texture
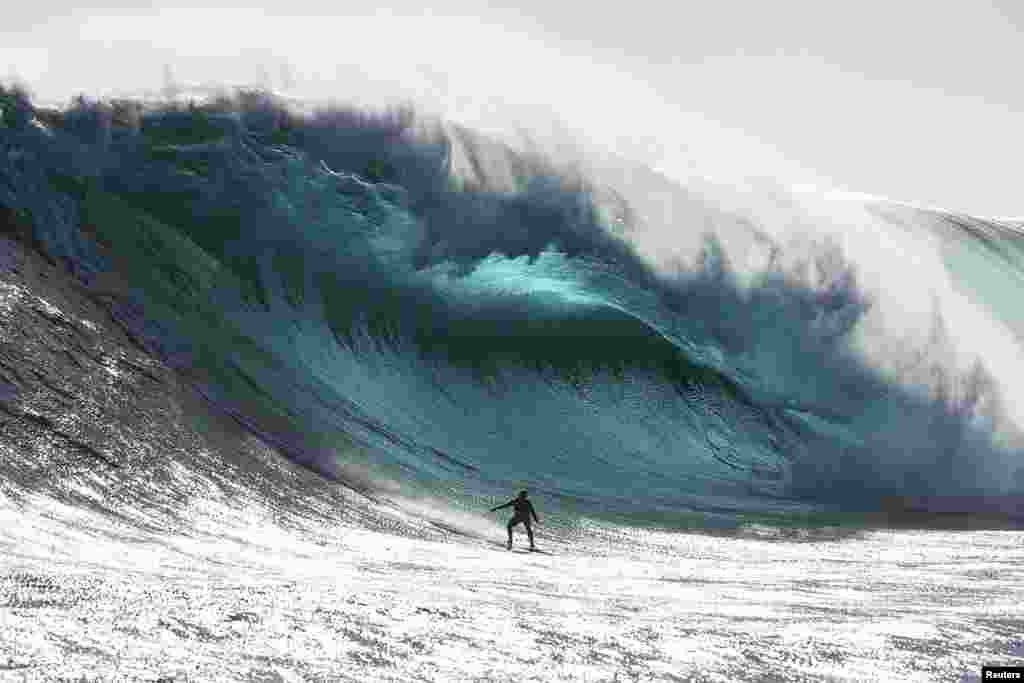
column 243, row 599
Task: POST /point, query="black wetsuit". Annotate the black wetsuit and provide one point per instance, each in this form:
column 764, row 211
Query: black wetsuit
column 522, row 513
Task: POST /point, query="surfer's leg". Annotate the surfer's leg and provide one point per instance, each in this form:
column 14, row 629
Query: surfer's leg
column 511, row 523
column 529, row 531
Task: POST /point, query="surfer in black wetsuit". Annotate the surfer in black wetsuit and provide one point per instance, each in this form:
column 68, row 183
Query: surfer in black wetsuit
column 522, row 512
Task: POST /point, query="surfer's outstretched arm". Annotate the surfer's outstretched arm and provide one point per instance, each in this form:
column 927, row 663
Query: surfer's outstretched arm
column 508, row 504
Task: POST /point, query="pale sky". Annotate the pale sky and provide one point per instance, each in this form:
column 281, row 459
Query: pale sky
column 913, row 100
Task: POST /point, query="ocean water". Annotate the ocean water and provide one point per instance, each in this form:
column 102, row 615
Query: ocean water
column 438, row 318
column 475, row 314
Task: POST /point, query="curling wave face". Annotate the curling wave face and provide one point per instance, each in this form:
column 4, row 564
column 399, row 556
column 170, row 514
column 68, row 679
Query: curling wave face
column 461, row 316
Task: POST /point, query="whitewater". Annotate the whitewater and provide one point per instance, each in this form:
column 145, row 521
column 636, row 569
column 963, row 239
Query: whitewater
column 266, row 364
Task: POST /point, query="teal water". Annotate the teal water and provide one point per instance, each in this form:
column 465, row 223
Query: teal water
column 385, row 291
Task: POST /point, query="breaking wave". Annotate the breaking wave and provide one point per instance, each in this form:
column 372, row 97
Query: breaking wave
column 461, row 315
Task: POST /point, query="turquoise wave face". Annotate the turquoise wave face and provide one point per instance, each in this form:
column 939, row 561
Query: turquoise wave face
column 332, row 282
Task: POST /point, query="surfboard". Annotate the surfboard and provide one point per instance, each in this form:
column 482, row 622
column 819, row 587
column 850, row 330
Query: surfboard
column 521, row 551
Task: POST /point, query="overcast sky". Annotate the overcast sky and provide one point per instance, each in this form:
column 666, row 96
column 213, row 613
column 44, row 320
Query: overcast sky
column 918, row 101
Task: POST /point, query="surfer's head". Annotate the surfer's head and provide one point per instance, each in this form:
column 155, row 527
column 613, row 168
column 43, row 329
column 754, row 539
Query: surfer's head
column 522, row 494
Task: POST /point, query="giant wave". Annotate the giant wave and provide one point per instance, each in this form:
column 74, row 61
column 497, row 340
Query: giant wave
column 389, row 291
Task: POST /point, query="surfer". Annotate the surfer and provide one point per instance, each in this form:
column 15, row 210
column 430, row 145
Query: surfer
column 522, row 512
